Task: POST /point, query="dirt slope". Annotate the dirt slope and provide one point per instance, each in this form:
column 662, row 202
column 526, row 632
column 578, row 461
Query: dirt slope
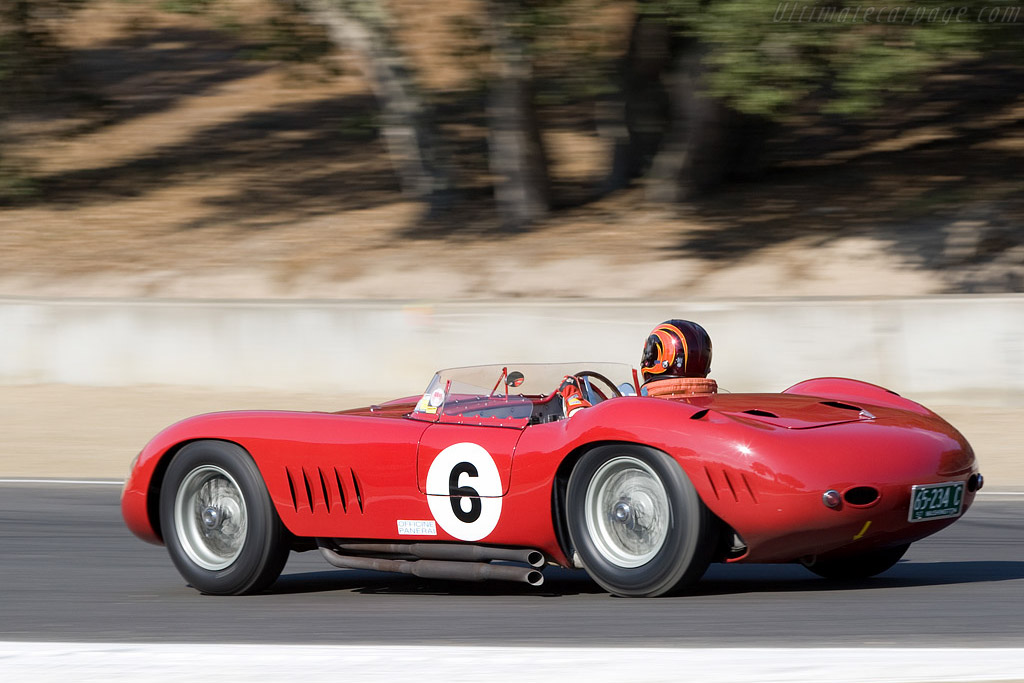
column 210, row 173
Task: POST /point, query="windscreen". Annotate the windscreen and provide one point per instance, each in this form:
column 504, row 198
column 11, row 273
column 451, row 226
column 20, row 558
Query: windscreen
column 520, row 382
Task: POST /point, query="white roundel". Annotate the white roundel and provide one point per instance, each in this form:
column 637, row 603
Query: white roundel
column 464, row 491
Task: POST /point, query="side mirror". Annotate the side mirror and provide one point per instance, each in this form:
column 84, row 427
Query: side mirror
column 514, row 379
column 627, row 389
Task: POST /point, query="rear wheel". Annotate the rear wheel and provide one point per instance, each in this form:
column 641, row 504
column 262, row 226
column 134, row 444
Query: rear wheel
column 637, row 522
column 218, row 522
column 861, row 566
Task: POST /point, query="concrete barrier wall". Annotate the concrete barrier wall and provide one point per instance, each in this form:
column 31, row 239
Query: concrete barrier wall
column 962, row 344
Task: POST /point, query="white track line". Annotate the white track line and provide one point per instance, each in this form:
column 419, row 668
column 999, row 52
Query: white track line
column 124, row 661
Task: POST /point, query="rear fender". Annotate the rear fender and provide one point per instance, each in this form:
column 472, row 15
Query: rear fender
column 852, row 390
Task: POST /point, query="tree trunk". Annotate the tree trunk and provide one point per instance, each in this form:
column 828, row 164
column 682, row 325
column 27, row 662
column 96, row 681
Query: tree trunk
column 361, row 26
column 516, row 150
column 635, row 120
column 693, row 157
column 708, row 141
column 680, row 140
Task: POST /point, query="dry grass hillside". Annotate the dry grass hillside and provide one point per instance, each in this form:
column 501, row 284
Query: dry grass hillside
column 211, row 169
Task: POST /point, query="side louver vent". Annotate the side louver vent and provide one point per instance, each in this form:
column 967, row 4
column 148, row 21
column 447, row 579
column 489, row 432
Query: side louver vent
column 291, row 487
column 323, row 487
column 322, row 491
column 309, row 489
column 341, row 490
column 733, row 486
column 355, row 485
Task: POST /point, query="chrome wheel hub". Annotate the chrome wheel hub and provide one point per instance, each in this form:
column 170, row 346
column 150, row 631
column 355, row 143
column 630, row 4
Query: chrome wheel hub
column 210, row 517
column 622, row 512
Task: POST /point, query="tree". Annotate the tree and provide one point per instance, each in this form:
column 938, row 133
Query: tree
column 515, row 144
column 32, row 67
column 726, row 68
column 363, row 26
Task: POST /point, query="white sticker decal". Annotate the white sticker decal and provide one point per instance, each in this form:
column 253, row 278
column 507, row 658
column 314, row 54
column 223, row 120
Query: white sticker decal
column 464, row 491
column 417, row 527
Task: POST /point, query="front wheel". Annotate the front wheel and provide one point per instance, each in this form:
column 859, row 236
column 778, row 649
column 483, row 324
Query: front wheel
column 637, row 521
column 218, row 522
column 861, row 566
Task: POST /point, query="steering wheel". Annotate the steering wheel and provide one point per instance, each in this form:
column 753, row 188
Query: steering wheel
column 601, row 378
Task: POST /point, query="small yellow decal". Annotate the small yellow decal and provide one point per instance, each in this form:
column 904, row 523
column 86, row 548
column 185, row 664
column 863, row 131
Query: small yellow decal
column 863, row 531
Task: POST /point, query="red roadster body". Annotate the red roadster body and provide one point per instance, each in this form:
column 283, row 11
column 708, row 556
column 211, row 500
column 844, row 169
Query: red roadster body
column 483, row 476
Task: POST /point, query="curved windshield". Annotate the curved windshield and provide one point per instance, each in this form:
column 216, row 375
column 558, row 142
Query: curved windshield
column 510, row 392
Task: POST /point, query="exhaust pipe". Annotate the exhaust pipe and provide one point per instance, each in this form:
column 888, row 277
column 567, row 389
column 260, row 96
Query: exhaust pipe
column 437, row 569
column 447, row 551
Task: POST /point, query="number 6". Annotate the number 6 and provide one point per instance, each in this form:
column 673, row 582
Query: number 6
column 461, row 493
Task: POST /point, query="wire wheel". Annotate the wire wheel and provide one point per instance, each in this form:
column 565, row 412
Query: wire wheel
column 217, row 519
column 627, row 512
column 210, row 517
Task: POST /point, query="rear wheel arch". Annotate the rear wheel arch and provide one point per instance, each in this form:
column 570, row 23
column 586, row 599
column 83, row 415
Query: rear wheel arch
column 636, row 521
column 560, row 485
column 856, row 391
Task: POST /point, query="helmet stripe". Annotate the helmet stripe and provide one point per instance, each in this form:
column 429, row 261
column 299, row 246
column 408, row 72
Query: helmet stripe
column 682, row 337
column 668, row 349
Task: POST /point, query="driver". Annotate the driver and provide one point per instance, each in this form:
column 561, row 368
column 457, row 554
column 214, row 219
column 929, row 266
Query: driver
column 676, row 361
column 572, row 396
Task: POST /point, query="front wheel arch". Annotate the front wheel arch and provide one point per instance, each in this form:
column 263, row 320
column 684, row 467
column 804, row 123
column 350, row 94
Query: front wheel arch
column 220, row 526
column 156, row 481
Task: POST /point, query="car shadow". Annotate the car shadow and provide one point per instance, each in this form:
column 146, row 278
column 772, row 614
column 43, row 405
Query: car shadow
column 720, row 580
column 557, row 583
column 793, row 578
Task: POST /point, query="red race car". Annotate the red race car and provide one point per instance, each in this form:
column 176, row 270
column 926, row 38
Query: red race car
column 497, row 471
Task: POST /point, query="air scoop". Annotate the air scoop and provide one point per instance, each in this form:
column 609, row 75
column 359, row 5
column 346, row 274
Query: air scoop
column 789, row 411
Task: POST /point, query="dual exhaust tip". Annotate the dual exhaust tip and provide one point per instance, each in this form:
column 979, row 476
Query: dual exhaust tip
column 438, row 560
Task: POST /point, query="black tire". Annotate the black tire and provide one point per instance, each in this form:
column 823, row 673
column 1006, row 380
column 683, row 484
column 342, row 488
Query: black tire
column 637, row 522
column 862, row 566
column 218, row 521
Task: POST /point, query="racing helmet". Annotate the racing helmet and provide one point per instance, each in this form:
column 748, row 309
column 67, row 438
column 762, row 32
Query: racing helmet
column 676, row 348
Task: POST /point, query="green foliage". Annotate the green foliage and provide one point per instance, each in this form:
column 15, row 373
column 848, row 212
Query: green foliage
column 30, row 57
column 15, row 183
column 186, row 6
column 284, row 38
column 766, row 55
column 566, row 45
column 6, row 60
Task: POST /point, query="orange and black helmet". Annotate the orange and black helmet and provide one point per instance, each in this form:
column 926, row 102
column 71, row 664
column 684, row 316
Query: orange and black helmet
column 676, row 348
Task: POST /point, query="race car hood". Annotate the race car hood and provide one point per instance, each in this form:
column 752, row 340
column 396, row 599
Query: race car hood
column 787, row 411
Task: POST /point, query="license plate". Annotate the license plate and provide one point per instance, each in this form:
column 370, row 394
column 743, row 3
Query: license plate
column 936, row 501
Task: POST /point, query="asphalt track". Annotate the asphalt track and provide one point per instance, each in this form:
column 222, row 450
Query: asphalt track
column 72, row 572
